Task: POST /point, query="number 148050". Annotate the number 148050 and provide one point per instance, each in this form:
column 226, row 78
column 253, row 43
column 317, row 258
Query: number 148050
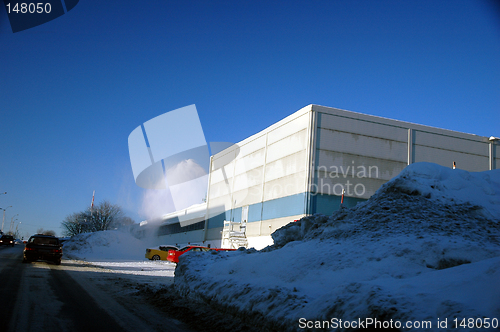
column 31, row 8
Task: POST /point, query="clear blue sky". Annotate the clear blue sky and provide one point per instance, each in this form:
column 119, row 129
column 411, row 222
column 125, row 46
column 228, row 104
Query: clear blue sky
column 73, row 89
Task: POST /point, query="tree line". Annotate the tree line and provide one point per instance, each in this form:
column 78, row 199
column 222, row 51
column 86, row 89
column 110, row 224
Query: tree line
column 101, row 217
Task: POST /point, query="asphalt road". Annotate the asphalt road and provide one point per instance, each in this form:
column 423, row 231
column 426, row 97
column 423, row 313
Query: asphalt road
column 42, row 296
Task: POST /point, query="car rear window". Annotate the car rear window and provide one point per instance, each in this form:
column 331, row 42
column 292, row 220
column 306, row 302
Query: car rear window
column 44, row 241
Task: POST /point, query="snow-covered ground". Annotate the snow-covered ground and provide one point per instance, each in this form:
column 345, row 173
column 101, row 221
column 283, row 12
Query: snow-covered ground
column 118, row 252
column 425, row 249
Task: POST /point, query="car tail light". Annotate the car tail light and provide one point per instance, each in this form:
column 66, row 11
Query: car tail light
column 28, row 249
column 56, row 250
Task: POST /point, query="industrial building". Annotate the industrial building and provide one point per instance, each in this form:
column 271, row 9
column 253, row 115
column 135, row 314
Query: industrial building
column 302, row 164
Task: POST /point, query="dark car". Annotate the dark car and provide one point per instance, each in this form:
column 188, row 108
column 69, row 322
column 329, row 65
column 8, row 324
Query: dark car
column 7, row 240
column 43, row 247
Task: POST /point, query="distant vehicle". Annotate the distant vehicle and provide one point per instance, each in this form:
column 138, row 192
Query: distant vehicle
column 173, row 255
column 159, row 253
column 7, row 240
column 43, row 247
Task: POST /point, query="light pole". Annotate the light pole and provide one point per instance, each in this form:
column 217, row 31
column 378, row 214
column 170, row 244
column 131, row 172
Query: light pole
column 12, row 223
column 1, row 231
column 3, row 220
column 17, row 235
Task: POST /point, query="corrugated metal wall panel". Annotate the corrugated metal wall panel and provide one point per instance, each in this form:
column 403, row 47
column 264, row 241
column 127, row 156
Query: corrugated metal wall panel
column 250, row 161
column 218, row 175
column 365, row 128
column 287, row 146
column 220, row 189
column 450, row 143
column 447, row 157
column 248, row 179
column 224, row 157
column 291, row 164
column 362, row 145
column 284, row 186
column 249, row 147
column 343, row 163
column 288, row 129
column 247, row 196
column 359, row 188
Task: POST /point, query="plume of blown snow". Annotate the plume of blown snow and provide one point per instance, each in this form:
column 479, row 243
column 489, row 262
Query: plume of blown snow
column 187, row 182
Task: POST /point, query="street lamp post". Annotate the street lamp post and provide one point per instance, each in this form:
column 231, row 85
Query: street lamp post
column 17, row 235
column 12, row 223
column 3, row 220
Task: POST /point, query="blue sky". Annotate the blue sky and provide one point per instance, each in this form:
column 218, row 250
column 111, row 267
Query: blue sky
column 73, row 89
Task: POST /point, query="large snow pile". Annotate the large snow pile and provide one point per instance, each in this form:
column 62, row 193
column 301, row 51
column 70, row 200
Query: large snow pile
column 106, row 245
column 425, row 247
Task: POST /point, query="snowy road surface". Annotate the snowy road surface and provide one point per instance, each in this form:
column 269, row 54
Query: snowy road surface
column 79, row 296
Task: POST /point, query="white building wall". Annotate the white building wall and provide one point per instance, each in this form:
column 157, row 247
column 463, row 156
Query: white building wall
column 300, row 164
column 266, row 169
column 354, row 154
column 349, row 144
column 442, row 149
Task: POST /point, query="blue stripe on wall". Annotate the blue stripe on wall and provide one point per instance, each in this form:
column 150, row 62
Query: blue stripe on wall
column 285, row 207
column 216, row 221
column 276, row 208
column 254, row 212
column 236, row 215
column 327, row 204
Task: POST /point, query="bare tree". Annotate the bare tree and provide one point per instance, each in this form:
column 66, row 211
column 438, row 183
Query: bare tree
column 124, row 221
column 74, row 223
column 102, row 217
column 105, row 215
column 44, row 232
